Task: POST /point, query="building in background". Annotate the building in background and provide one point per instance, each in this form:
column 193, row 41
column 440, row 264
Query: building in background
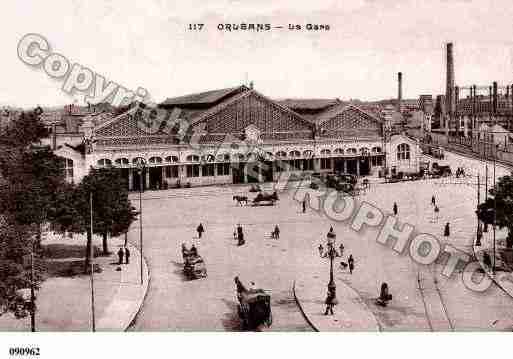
column 236, row 135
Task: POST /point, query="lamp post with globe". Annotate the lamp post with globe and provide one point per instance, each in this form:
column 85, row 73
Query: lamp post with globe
column 330, row 253
column 140, row 164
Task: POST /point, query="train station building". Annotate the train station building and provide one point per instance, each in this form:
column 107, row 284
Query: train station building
column 236, row 135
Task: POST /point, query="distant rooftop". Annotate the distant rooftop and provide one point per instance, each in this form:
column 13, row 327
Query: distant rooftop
column 207, row 97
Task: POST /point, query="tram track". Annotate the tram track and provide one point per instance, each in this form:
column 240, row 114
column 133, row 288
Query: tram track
column 437, row 315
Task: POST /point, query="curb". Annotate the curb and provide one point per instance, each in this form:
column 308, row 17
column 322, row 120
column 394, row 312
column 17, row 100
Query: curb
column 301, row 308
column 133, row 316
column 483, row 267
column 376, row 326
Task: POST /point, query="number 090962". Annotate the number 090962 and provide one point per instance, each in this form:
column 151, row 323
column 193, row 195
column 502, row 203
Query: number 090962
column 24, row 351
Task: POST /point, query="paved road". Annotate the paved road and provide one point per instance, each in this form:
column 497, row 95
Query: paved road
column 170, row 218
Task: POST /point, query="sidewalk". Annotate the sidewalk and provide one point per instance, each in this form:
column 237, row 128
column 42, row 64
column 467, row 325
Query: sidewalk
column 351, row 313
column 64, row 299
column 503, row 276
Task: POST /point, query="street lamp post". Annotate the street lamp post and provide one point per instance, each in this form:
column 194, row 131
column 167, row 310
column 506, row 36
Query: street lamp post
column 330, row 253
column 140, row 168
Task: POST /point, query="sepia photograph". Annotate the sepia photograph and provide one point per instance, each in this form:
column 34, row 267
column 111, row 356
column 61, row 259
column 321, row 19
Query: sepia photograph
column 254, row 167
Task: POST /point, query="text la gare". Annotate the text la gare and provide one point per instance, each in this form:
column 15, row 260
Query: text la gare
column 309, row 27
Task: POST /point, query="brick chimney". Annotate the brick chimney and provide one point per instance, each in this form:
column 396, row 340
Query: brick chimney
column 399, row 90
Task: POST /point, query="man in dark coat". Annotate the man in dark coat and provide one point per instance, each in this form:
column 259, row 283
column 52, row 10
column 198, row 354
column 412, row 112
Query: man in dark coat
column 276, row 232
column 447, row 232
column 395, row 209
column 127, row 255
column 350, row 262
column 200, row 230
column 120, row 255
column 304, row 205
column 433, row 200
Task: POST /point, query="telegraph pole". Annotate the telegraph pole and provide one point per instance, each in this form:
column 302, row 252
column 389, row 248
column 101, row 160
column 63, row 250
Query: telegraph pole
column 32, row 294
column 93, row 321
column 494, row 211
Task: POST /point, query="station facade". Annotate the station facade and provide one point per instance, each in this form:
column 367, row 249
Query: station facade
column 238, row 135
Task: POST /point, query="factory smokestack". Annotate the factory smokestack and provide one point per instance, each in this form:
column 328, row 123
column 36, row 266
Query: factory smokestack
column 449, row 91
column 399, row 90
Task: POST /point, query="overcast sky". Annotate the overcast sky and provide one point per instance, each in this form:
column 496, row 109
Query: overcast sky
column 147, row 44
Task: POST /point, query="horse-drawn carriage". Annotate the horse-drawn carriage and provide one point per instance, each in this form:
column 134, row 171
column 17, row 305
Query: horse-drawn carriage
column 254, row 307
column 265, row 199
column 343, row 183
column 193, row 264
column 440, row 171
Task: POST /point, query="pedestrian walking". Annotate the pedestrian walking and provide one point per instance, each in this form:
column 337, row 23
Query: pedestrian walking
column 433, row 200
column 200, row 230
column 241, row 239
column 304, row 205
column 330, row 302
column 127, row 255
column 321, row 249
column 276, row 232
column 120, row 255
column 447, row 232
column 436, row 212
column 341, row 247
column 395, row 209
column 350, row 262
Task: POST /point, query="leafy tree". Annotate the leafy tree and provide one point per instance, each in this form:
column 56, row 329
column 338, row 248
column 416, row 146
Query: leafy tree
column 16, row 245
column 501, row 198
column 30, row 179
column 112, row 210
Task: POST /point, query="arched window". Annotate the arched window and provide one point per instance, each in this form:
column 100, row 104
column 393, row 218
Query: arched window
column 192, row 158
column 325, row 152
column 308, row 153
column 338, row 151
column 352, row 151
column 208, row 158
column 403, row 151
column 281, row 154
column 376, row 149
column 138, row 160
column 155, row 160
column 121, row 161
column 294, row 154
column 171, row 159
column 104, row 162
column 364, row 151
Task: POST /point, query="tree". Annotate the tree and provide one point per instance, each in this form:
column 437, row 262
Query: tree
column 30, row 179
column 112, row 210
column 501, row 198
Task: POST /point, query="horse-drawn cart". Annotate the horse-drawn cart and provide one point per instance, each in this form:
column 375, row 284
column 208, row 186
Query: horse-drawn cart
column 194, row 266
column 254, row 307
column 265, row 199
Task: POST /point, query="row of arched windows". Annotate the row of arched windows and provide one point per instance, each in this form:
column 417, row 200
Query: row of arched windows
column 104, row 162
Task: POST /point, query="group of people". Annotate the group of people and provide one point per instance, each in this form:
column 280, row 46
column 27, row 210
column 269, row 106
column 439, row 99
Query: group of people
column 275, row 234
column 123, row 253
column 460, row 172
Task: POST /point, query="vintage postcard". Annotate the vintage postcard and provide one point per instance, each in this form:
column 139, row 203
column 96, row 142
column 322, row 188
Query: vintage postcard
column 255, row 166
